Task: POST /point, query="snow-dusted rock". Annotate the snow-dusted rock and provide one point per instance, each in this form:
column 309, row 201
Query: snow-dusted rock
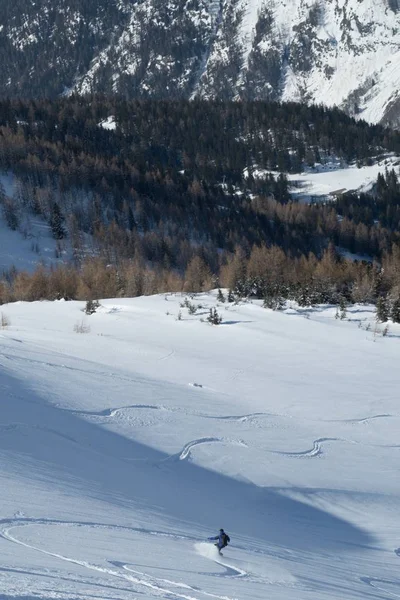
column 336, row 52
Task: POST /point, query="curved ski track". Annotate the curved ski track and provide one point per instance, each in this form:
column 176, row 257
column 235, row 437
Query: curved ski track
column 316, row 450
column 246, row 418
column 373, row 581
column 136, row 578
column 112, row 412
column 362, row 420
column 185, row 452
column 180, row 585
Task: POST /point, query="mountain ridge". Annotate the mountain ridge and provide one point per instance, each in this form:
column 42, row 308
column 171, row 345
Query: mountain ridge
column 340, row 52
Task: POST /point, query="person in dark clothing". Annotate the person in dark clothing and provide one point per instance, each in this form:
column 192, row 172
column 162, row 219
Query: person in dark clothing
column 223, row 539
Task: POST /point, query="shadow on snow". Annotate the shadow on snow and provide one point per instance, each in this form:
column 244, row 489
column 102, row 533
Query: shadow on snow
column 59, row 446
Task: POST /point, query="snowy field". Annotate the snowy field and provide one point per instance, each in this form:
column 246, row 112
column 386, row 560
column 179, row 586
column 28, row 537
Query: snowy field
column 322, row 180
column 124, row 447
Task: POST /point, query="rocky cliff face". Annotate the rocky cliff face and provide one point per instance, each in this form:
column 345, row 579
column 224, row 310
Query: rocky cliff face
column 336, row 52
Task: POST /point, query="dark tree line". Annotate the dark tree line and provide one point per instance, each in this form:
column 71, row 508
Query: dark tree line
column 175, row 181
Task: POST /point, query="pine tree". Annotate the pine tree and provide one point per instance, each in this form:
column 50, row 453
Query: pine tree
column 382, row 309
column 2, row 193
column 56, row 222
column 395, row 312
column 214, row 318
column 220, row 297
column 342, row 308
column 10, row 213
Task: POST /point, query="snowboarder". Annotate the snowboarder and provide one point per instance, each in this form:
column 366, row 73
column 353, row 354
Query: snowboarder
column 223, row 539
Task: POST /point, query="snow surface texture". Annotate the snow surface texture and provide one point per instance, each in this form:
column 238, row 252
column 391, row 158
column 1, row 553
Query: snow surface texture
column 122, row 449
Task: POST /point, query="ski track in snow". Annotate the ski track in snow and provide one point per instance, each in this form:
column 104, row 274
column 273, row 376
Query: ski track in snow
column 6, row 524
column 316, row 450
column 113, row 412
column 209, row 551
column 20, row 520
column 169, row 582
column 16, row 426
column 373, row 581
column 138, row 578
column 231, row 571
column 364, row 420
column 250, row 418
column 96, row 372
column 246, row 418
column 185, row 453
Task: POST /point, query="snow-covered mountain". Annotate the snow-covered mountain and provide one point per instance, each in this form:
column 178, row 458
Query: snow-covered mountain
column 130, row 436
column 337, row 52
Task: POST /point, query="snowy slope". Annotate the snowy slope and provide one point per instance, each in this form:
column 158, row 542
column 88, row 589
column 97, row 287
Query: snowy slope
column 123, row 448
column 26, row 251
column 338, row 52
column 32, row 243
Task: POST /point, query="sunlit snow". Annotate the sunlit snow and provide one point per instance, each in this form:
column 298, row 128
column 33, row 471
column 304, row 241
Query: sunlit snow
column 123, row 448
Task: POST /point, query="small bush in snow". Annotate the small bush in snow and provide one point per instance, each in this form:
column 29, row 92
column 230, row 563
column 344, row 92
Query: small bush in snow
column 343, row 308
column 91, row 306
column 214, row 318
column 35, row 247
column 4, row 321
column 273, row 302
column 81, row 327
column 220, row 296
column 192, row 308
